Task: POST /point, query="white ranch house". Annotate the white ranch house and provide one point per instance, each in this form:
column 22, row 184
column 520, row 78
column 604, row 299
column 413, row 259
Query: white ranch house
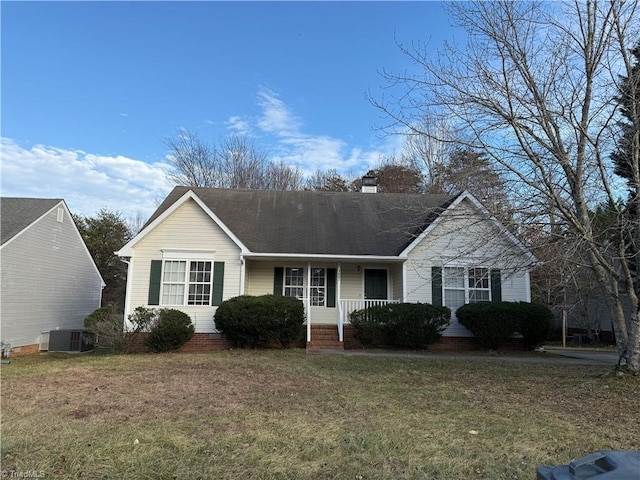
column 336, row 251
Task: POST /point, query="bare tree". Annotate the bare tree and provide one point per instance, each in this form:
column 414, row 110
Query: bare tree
column 279, row 176
column 235, row 162
column 430, row 152
column 193, row 161
column 327, row 181
column 533, row 88
column 240, row 163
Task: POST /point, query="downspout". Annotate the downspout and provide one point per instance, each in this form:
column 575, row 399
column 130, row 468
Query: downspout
column 527, row 283
column 404, row 282
column 307, row 302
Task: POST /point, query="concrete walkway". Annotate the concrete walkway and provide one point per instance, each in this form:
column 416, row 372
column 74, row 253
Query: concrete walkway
column 549, row 356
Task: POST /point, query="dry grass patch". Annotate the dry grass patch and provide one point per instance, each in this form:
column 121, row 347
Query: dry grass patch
column 285, row 414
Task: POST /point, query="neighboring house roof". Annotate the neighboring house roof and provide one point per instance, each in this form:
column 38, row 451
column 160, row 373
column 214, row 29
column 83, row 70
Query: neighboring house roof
column 16, row 214
column 316, row 223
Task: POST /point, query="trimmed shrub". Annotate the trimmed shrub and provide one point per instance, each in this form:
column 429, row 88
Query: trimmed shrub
column 534, row 323
column 492, row 323
column 169, row 331
column 405, row 325
column 416, row 325
column 106, row 326
column 369, row 326
column 258, row 321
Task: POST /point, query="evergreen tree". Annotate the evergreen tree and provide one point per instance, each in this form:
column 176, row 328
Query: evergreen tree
column 103, row 235
column 626, row 154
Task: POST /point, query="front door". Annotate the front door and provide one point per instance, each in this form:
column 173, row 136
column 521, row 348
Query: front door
column 375, row 284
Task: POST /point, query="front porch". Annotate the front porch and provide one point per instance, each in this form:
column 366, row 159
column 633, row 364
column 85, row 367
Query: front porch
column 330, row 290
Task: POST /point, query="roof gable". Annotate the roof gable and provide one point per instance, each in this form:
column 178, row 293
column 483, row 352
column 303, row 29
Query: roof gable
column 16, row 214
column 313, row 223
column 467, row 196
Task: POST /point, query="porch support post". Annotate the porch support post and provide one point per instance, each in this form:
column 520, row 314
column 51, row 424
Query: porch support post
column 339, row 304
column 404, row 282
column 307, row 302
column 243, row 268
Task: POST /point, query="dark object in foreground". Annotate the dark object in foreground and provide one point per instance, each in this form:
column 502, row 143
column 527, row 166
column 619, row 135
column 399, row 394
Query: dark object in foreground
column 602, row 465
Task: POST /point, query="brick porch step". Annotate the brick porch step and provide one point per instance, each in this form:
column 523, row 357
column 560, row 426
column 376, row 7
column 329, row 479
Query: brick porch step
column 324, row 337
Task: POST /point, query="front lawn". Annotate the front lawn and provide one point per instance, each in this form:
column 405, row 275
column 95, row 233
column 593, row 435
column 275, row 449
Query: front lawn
column 286, row 414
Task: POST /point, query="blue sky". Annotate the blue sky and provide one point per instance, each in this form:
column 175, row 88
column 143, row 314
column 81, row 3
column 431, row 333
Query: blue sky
column 91, row 90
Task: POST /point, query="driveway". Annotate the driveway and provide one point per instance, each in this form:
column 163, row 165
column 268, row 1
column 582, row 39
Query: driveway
column 549, row 356
column 590, row 357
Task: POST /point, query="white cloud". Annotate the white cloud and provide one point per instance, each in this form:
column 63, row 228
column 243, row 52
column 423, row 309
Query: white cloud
column 87, row 182
column 276, row 117
column 313, row 152
column 239, row 125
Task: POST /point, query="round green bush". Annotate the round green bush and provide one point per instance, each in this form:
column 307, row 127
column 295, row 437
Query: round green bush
column 170, row 331
column 369, row 325
column 492, row 323
column 534, row 323
column 258, row 321
column 405, row 325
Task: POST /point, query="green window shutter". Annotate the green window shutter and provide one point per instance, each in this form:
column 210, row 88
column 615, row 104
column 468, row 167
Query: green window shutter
column 496, row 286
column 218, row 283
column 278, row 281
column 155, row 278
column 436, row 286
column 331, row 287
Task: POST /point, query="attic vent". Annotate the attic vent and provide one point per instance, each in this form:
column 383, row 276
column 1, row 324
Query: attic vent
column 369, row 184
column 60, row 215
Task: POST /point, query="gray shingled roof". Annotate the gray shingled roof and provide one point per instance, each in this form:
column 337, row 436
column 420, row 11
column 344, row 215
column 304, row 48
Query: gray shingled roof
column 332, row 223
column 16, row 214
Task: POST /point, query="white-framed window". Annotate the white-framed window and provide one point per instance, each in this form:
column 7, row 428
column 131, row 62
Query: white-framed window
column 318, row 286
column 186, row 282
column 294, row 282
column 463, row 285
column 478, row 282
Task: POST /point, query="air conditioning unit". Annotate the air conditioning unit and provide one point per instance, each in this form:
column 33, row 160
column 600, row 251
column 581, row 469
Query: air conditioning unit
column 70, row 341
column 44, row 341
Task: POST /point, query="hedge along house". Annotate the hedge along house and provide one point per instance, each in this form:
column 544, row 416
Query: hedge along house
column 337, row 252
column 49, row 280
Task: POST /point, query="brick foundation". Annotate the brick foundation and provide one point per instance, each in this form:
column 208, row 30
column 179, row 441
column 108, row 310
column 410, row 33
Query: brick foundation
column 25, row 350
column 200, row 342
column 205, row 342
column 324, row 337
column 445, row 344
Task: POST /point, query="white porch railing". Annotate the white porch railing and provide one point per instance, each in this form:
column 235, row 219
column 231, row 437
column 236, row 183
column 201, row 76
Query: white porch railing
column 347, row 306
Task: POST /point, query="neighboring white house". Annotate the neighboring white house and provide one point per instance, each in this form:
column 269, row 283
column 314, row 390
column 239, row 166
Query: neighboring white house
column 48, row 279
column 335, row 251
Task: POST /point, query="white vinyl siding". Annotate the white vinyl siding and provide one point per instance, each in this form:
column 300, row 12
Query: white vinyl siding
column 464, row 239
column 48, row 280
column 189, row 228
